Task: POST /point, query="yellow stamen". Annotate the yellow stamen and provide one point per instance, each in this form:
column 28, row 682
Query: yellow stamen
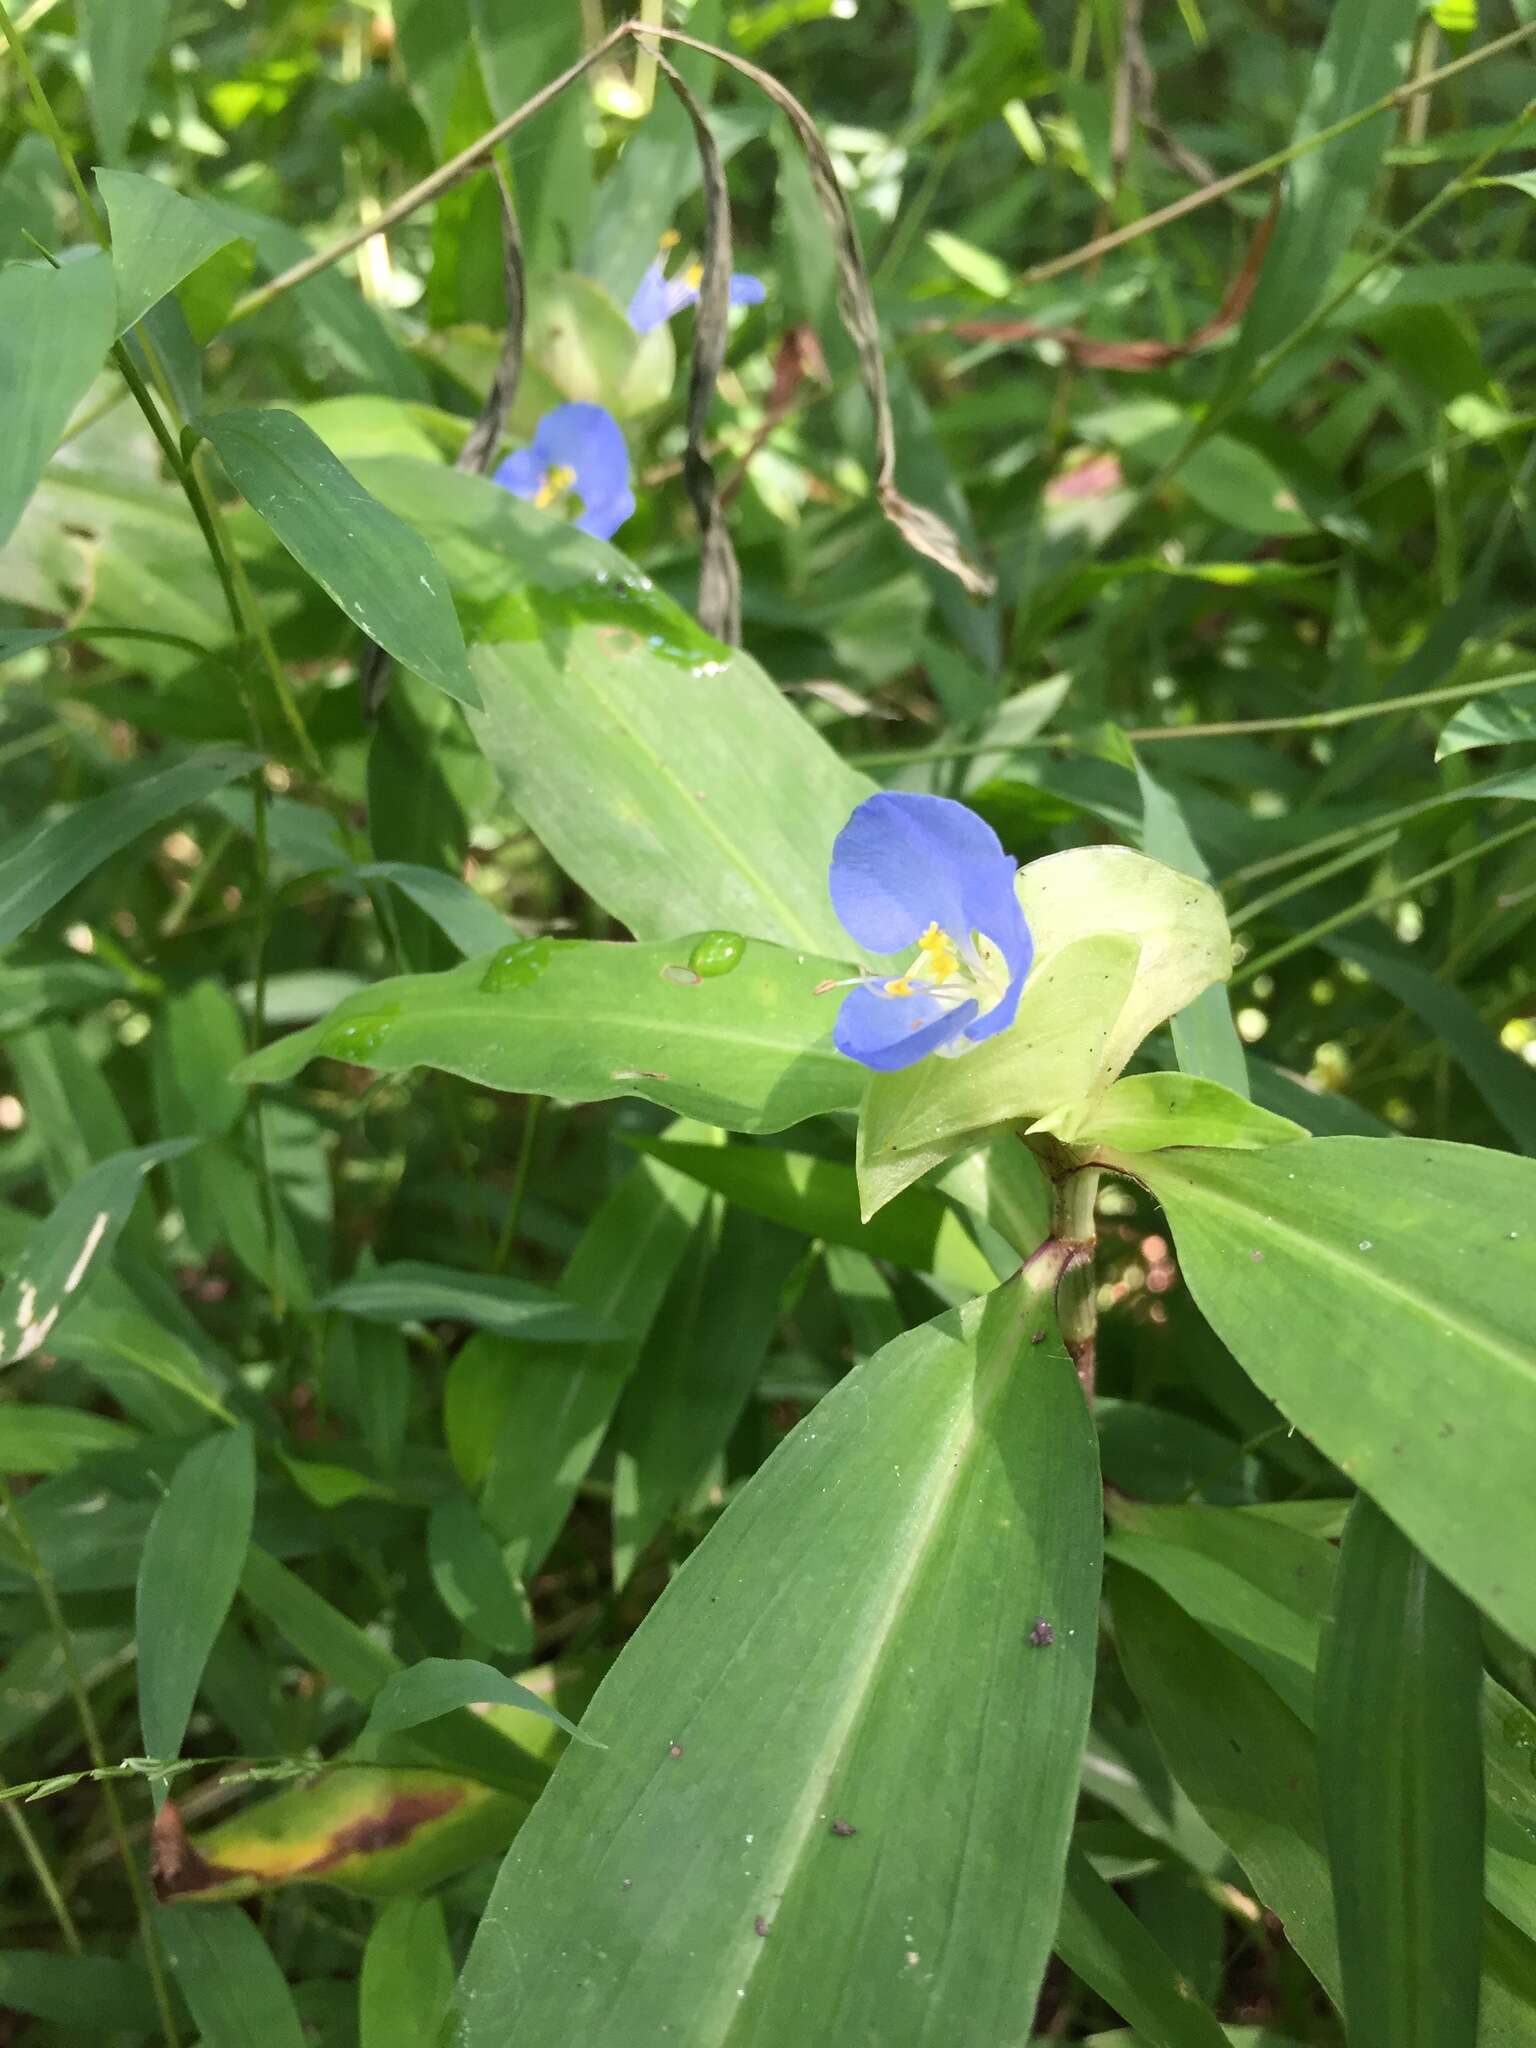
column 899, row 987
column 669, row 240
column 693, row 276
column 557, row 478
column 940, row 959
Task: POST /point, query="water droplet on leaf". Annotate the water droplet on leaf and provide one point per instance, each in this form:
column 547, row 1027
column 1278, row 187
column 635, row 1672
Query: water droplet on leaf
column 716, row 953
column 516, row 966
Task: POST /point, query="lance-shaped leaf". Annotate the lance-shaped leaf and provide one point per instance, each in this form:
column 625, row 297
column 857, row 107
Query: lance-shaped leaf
column 665, row 773
column 158, row 237
column 68, row 1243
column 1149, row 1112
column 1121, row 944
column 375, row 566
column 1380, row 1293
column 785, row 1825
column 748, row 1048
column 55, row 328
column 1400, row 1767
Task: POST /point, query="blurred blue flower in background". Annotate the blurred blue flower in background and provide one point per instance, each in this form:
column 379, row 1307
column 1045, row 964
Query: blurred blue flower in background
column 577, row 450
column 657, row 297
column 922, row 871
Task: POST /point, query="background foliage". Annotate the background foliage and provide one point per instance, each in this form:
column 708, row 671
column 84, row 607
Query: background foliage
column 363, row 1396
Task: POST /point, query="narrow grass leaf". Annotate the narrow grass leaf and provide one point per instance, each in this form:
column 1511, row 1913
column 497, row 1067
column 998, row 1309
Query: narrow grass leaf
column 43, row 866
column 49, row 1276
column 56, row 326
column 193, row 1557
column 439, row 1685
column 407, row 1978
column 377, row 568
column 410, row 1291
column 229, row 1977
column 1101, row 1940
column 1400, row 1767
column 158, row 238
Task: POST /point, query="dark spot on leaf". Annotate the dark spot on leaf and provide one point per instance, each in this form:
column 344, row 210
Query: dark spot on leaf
column 674, row 1749
column 761, row 1926
column 844, row 1828
column 1042, row 1635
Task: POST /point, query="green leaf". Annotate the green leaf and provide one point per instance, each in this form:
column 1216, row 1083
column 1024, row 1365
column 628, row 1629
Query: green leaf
column 193, row 1557
column 472, row 925
column 410, row 1291
column 1243, row 1757
column 1502, row 721
column 439, row 1685
column 1506, row 1084
column 1326, row 191
column 1150, row 1112
column 556, row 1404
column 1101, row 1940
column 47, row 1279
column 820, row 1197
column 229, row 1977
column 1205, row 1038
column 665, row 773
column 158, row 238
column 580, row 346
column 783, row 1825
column 585, row 1021
column 1400, row 1769
column 1250, row 1767
column 407, row 1978
column 120, row 42
column 1121, row 944
column 472, row 1579
column 1379, row 1292
column 695, row 1374
column 43, row 1439
column 360, row 1666
column 44, row 865
column 87, row 1994
column 380, row 571
column 55, row 329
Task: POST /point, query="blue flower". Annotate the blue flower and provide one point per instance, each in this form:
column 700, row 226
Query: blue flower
column 577, row 449
column 922, row 871
column 657, row 297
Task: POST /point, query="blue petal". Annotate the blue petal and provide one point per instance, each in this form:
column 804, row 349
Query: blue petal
column 747, row 290
column 887, row 1032
column 521, row 474
column 649, row 306
column 603, row 518
column 902, row 862
column 992, row 908
column 589, row 441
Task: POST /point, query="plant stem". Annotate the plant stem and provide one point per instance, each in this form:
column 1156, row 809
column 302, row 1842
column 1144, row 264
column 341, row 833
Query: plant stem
column 1231, row 728
column 428, row 188
column 520, row 1172
column 1089, row 252
column 1074, row 1193
column 1352, row 856
column 47, row 1883
column 1397, row 890
column 42, row 1578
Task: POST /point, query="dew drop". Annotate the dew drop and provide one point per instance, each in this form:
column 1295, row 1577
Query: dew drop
column 1365, row 1244
column 516, row 966
column 716, row 953
column 358, row 1038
